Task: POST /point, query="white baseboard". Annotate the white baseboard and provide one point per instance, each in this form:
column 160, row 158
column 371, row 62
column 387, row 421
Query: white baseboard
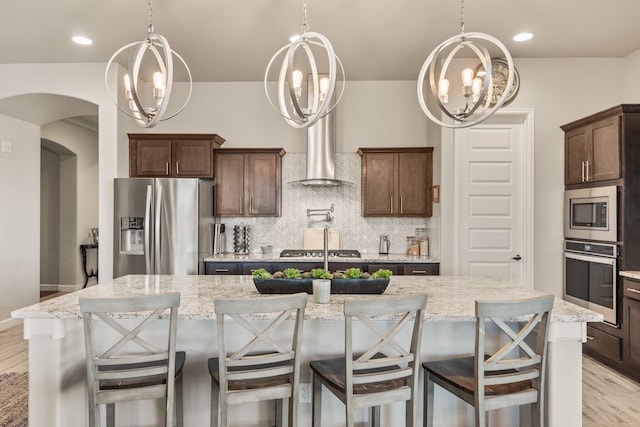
column 9, row 323
column 60, row 288
column 69, row 288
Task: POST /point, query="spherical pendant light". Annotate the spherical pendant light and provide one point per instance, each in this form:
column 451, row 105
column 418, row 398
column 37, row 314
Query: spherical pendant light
column 148, row 114
column 320, row 84
column 477, row 100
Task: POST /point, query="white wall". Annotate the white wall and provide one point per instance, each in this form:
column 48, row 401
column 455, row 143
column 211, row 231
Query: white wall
column 49, row 217
column 19, row 215
column 20, row 284
column 84, row 144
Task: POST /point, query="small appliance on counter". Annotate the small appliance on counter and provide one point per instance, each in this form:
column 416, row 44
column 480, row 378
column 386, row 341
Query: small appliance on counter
column 219, row 239
column 241, row 239
column 385, row 244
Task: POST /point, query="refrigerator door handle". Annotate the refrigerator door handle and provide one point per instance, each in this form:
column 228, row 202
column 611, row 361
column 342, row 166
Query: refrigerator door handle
column 156, row 228
column 147, row 230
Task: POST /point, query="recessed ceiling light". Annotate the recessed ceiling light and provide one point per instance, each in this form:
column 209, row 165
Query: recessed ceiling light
column 522, row 37
column 82, row 40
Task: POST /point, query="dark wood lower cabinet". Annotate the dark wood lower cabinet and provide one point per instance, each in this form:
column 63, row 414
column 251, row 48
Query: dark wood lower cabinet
column 631, row 310
column 221, row 268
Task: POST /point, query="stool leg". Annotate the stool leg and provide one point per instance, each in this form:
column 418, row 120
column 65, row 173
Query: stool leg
column 215, row 394
column 316, row 406
column 428, row 401
column 111, row 414
column 279, row 417
column 375, row 416
column 178, row 396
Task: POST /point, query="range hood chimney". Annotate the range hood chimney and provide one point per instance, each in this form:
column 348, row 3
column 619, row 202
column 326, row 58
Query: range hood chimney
column 321, row 154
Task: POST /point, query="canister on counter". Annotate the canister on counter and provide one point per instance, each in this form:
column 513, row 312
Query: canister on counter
column 413, row 247
column 423, row 241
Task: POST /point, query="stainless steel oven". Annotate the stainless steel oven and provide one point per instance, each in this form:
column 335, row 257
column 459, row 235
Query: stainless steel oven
column 591, row 213
column 590, row 275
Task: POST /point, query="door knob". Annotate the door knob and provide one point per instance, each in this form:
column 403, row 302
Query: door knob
column 517, row 257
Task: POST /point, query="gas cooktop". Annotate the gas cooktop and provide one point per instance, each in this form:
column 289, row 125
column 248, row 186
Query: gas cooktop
column 309, row 253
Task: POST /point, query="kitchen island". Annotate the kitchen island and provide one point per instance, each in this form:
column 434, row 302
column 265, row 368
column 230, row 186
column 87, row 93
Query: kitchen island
column 57, row 391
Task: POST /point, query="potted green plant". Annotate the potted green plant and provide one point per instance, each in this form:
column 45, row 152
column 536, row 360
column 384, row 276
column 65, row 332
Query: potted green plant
column 287, row 281
column 355, row 281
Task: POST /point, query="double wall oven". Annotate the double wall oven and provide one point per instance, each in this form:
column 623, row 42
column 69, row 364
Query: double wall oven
column 591, row 254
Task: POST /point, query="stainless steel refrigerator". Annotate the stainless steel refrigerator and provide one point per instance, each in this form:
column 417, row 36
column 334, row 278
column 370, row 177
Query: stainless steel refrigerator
column 162, row 225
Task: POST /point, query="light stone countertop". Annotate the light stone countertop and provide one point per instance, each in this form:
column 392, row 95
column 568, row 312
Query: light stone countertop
column 451, row 298
column 275, row 257
column 631, row 274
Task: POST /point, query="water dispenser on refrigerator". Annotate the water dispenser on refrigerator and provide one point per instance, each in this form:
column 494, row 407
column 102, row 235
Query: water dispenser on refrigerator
column 131, row 235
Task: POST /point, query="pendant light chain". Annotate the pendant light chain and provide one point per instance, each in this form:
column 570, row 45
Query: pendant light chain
column 150, row 27
column 461, row 16
column 305, row 25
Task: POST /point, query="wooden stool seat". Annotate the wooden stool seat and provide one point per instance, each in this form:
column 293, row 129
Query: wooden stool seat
column 247, row 384
column 332, row 371
column 147, row 381
column 459, row 373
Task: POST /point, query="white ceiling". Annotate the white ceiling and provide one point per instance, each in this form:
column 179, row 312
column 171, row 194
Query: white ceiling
column 233, row 40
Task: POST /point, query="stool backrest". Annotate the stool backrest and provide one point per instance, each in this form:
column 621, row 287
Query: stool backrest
column 129, row 358
column 520, row 358
column 266, row 352
column 398, row 361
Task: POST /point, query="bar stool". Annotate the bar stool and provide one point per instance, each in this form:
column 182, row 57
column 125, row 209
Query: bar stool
column 267, row 367
column 511, row 376
column 386, row 372
column 131, row 367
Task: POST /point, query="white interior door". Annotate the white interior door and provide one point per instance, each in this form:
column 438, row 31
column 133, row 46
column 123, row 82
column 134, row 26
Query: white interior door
column 489, row 201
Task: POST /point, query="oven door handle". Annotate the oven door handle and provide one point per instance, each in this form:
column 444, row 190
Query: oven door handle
column 591, row 258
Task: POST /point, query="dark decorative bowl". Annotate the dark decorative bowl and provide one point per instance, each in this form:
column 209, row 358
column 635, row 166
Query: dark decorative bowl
column 338, row 286
column 283, row 286
column 359, row 286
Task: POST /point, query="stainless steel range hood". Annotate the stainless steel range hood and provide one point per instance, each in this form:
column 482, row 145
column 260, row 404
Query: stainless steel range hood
column 321, row 155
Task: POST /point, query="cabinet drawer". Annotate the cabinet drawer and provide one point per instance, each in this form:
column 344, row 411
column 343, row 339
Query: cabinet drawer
column 603, row 343
column 421, row 269
column 396, row 269
column 220, row 268
column 249, row 267
column 631, row 289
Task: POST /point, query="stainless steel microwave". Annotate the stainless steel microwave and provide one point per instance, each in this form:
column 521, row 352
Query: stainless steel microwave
column 591, row 213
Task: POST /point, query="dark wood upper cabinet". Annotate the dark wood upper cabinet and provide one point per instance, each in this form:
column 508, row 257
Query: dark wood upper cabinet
column 593, row 148
column 248, row 182
column 397, row 181
column 172, row 155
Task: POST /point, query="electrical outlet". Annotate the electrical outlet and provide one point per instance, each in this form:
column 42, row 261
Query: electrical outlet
column 305, row 392
column 6, row 147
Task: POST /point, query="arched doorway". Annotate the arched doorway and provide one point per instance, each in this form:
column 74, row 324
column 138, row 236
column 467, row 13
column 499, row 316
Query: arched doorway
column 69, row 187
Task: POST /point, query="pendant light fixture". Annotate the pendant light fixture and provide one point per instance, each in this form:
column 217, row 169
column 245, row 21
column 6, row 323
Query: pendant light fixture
column 476, row 101
column 147, row 100
column 320, row 82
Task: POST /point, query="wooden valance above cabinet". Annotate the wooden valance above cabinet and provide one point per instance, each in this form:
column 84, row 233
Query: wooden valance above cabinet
column 397, row 181
column 180, row 155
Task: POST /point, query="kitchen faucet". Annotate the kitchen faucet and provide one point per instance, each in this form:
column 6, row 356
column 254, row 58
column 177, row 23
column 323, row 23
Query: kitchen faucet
column 326, row 248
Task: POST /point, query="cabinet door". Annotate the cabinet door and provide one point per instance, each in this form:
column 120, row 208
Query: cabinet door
column 378, row 185
column 414, row 184
column 249, row 267
column 605, row 163
column 263, row 180
column 577, row 150
column 152, row 158
column 229, row 188
column 192, row 158
column 631, row 325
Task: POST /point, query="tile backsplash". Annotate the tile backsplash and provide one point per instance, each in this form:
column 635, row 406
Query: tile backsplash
column 355, row 231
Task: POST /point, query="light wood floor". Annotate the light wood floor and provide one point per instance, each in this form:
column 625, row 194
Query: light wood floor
column 609, row 399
